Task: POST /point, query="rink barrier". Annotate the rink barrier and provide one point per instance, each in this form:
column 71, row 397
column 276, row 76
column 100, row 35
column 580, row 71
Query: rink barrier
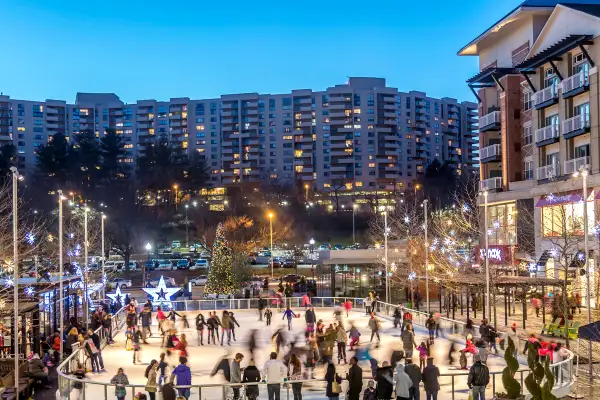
column 67, row 383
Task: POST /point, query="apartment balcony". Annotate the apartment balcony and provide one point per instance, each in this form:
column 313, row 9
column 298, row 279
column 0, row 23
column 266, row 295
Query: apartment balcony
column 390, row 107
column 339, row 97
column 385, row 129
column 491, row 184
column 420, row 118
column 51, row 126
column 547, row 172
column 304, row 146
column 50, row 110
column 303, row 100
column 390, row 121
column 338, row 114
column 453, row 115
column 490, row 122
column 578, row 125
column 175, row 109
column 175, row 124
column 340, row 106
column 338, row 168
column 574, row 165
column 544, row 98
column 175, row 116
column 547, row 135
column 491, row 153
column 575, row 84
column 303, row 139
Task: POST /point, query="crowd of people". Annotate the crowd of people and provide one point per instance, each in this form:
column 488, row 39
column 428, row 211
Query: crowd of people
column 312, row 355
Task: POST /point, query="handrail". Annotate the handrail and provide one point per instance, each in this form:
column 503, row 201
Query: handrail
column 564, row 376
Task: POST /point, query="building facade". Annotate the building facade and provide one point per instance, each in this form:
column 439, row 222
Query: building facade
column 538, row 104
column 361, row 135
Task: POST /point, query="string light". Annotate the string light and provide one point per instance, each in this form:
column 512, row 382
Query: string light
column 30, row 238
column 29, row 291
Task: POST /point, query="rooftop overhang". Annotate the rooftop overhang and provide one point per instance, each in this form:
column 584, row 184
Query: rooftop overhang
column 489, row 77
column 472, row 48
column 555, row 52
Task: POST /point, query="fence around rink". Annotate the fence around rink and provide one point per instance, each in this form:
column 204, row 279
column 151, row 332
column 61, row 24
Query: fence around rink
column 71, row 388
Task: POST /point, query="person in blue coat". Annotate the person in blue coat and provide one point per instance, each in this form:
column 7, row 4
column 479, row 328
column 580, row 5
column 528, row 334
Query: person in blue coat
column 183, row 376
column 289, row 314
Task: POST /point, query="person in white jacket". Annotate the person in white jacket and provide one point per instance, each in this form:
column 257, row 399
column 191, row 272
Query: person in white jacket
column 402, row 382
column 274, row 373
column 368, row 303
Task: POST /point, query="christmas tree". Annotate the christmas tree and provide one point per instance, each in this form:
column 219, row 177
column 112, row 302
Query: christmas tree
column 220, row 276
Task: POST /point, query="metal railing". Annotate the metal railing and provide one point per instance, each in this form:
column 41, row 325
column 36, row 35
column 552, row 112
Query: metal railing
column 491, row 183
column 546, row 94
column 574, row 82
column 490, row 151
column 489, row 119
column 546, row 133
column 576, row 164
column 548, row 171
column 73, row 388
column 576, row 123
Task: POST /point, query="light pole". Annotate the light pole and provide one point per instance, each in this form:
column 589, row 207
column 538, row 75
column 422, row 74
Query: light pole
column 15, row 180
column 61, row 198
column 271, row 235
column 306, row 187
column 487, row 263
column 312, row 245
column 354, row 206
column 426, row 256
column 176, row 187
column 103, row 255
column 584, row 173
column 85, row 266
column 148, row 249
column 187, row 244
column 385, row 245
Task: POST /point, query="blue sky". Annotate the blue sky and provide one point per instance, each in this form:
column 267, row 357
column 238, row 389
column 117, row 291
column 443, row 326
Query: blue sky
column 199, row 49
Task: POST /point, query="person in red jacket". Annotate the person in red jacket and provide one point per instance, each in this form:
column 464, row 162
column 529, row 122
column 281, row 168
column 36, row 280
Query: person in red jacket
column 347, row 307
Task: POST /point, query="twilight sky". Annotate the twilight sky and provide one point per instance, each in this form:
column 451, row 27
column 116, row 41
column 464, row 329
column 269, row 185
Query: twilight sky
column 200, row 49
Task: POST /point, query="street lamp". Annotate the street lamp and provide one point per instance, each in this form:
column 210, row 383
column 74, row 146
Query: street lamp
column 354, row 207
column 426, row 255
column 417, row 187
column 385, row 245
column 15, row 180
column 312, row 245
column 176, row 187
column 271, row 235
column 306, row 187
column 584, row 173
column 148, row 248
column 487, row 264
column 85, row 266
column 61, row 198
column 103, row 255
column 187, row 244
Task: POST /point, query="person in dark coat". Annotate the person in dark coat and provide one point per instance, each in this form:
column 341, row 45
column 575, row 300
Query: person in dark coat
column 415, row 375
column 251, row 374
column 385, row 381
column 354, row 377
column 330, row 376
column 431, row 375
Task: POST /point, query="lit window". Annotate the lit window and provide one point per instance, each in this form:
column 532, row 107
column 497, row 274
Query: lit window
column 200, row 127
column 358, row 184
column 326, row 185
column 357, row 111
column 372, row 165
column 299, row 168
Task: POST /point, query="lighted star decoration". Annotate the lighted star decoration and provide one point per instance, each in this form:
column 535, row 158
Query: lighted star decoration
column 412, row 276
column 30, row 238
column 161, row 292
column 117, row 296
column 9, row 283
column 29, row 291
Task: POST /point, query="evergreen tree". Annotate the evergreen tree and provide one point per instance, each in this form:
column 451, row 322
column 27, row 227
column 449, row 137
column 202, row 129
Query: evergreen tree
column 220, row 276
column 112, row 150
column 54, row 161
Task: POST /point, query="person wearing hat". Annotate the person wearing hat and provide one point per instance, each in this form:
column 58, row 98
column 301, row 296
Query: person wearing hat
column 370, row 392
column 479, row 377
column 512, row 333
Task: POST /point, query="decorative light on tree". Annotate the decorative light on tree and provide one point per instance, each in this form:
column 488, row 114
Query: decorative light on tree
column 71, row 235
column 220, row 277
column 50, row 238
column 29, row 291
column 9, row 283
column 412, row 276
column 30, row 238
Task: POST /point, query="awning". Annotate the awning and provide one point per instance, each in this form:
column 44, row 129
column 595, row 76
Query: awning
column 590, row 332
column 543, row 259
column 554, row 52
column 489, row 77
column 562, row 198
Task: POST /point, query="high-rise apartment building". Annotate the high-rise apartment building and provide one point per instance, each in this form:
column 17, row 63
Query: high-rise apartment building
column 538, row 104
column 359, row 135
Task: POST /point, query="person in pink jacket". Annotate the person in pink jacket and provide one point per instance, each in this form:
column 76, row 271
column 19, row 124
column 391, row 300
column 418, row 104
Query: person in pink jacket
column 305, row 301
column 160, row 317
column 347, row 307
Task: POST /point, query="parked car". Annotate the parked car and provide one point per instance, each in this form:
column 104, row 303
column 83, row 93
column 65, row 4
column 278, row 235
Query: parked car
column 121, row 266
column 165, row 264
column 181, row 264
column 168, row 281
column 199, row 280
column 288, row 263
column 110, row 265
column 291, row 278
column 120, row 282
column 199, row 263
column 325, row 246
column 149, row 265
column 338, row 247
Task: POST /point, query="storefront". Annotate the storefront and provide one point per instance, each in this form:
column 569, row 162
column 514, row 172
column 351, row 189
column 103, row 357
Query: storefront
column 503, row 260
